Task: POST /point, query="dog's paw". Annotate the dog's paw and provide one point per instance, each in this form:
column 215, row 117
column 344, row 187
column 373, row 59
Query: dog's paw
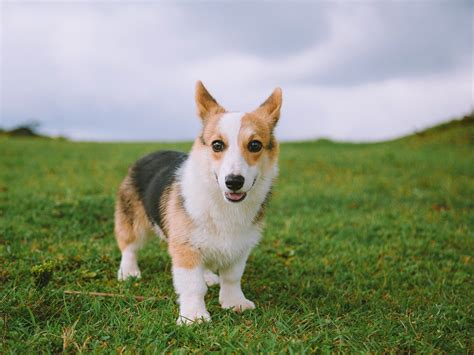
column 125, row 273
column 238, row 305
column 210, row 278
column 193, row 318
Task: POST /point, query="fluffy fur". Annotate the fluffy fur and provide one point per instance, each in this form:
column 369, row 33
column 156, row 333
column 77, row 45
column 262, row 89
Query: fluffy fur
column 208, row 205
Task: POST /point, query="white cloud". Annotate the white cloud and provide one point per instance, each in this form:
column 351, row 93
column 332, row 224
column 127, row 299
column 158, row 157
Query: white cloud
column 375, row 111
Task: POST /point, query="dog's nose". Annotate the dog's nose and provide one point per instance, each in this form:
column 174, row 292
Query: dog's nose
column 234, row 182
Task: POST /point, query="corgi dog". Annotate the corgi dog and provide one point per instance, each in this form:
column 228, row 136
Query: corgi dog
column 207, row 205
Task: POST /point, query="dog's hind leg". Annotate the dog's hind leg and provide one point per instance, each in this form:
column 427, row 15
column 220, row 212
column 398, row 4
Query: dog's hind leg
column 131, row 229
column 129, row 265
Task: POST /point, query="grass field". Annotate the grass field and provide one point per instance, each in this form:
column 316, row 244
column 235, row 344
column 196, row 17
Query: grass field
column 368, row 247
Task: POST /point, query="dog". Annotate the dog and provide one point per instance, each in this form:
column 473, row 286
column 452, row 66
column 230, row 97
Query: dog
column 208, row 205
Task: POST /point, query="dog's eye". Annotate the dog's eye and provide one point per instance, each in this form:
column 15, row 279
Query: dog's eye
column 218, row 146
column 255, row 146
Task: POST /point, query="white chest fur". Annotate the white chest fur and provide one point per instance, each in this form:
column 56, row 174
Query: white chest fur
column 222, row 249
column 224, row 231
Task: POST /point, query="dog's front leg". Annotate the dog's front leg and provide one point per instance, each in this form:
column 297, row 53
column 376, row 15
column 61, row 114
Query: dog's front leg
column 231, row 295
column 191, row 288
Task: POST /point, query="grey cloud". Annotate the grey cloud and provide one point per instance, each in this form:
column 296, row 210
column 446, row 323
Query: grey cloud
column 400, row 39
column 267, row 29
column 409, row 39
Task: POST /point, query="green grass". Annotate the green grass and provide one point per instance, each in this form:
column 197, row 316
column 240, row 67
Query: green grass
column 367, row 248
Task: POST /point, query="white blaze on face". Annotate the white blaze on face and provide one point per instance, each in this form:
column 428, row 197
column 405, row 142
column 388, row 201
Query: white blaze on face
column 233, row 161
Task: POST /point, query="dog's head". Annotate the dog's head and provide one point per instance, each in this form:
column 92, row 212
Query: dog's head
column 241, row 146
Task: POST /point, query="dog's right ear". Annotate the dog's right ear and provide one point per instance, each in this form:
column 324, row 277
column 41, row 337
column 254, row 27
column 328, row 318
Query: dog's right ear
column 206, row 105
column 270, row 109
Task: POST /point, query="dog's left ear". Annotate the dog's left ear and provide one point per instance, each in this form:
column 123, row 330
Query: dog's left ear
column 270, row 109
column 206, row 105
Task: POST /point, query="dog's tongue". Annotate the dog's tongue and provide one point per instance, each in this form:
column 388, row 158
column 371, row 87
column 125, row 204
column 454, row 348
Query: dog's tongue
column 234, row 196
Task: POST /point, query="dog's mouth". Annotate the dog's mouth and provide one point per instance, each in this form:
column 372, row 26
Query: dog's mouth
column 235, row 196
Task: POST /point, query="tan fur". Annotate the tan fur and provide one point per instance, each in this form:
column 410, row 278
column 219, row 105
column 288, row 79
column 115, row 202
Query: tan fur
column 259, row 217
column 254, row 128
column 206, row 105
column 131, row 221
column 210, row 132
column 270, row 109
column 178, row 227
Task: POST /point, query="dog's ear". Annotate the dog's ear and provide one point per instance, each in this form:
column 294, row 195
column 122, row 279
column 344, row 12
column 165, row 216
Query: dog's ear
column 206, row 105
column 270, row 109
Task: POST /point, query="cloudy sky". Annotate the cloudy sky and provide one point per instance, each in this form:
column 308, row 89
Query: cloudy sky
column 113, row 70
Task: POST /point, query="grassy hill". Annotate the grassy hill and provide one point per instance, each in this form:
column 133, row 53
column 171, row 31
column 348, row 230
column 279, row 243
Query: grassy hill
column 367, row 248
column 457, row 132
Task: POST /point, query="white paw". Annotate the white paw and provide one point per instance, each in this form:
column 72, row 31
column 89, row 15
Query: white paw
column 238, row 305
column 193, row 317
column 126, row 272
column 210, row 278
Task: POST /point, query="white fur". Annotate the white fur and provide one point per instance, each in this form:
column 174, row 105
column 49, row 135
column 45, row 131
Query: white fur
column 210, row 278
column 191, row 288
column 231, row 295
column 225, row 232
column 233, row 162
column 128, row 265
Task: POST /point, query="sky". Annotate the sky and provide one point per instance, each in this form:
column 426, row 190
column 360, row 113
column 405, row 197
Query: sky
column 126, row 71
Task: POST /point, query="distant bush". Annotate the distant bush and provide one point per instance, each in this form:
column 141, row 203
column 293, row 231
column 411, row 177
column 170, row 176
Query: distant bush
column 23, row 132
column 28, row 129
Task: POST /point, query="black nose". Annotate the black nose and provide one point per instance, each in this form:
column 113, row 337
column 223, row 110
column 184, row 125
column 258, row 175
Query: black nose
column 234, row 182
